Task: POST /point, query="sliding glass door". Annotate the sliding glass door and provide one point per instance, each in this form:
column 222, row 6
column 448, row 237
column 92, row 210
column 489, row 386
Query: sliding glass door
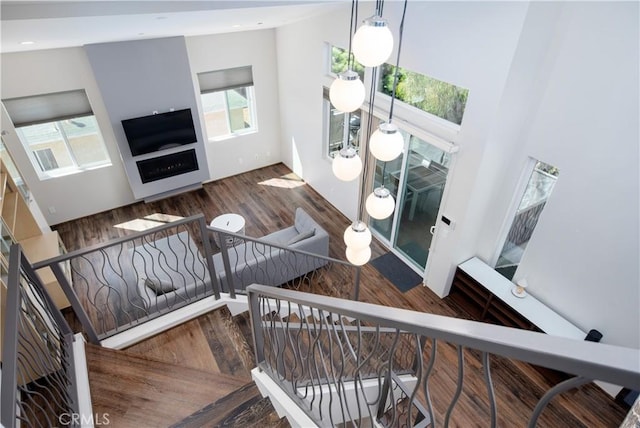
column 416, row 180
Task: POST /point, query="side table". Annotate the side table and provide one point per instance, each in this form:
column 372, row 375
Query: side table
column 233, row 223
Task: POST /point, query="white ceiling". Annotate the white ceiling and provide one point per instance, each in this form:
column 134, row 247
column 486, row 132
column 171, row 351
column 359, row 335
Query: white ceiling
column 55, row 24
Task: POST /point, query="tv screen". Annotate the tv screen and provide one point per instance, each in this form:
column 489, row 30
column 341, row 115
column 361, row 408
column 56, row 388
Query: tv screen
column 159, row 131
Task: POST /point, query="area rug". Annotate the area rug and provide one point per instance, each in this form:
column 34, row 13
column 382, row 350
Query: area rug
column 396, row 271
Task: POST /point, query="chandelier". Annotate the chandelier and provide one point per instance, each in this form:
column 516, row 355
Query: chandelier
column 371, row 46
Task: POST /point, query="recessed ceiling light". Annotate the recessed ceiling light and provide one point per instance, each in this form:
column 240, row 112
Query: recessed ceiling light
column 161, row 17
column 259, row 23
column 140, row 34
column 236, row 26
column 27, row 42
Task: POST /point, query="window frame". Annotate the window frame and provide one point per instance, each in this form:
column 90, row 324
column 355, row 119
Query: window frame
column 514, row 210
column 358, row 68
column 412, row 110
column 326, row 114
column 251, row 106
column 221, row 82
column 76, row 166
column 56, row 109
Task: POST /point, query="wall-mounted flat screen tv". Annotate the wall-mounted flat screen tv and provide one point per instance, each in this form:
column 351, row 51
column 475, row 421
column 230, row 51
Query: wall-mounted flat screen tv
column 160, row 131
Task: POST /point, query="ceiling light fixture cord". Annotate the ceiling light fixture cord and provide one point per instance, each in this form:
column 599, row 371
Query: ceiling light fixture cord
column 350, row 65
column 384, row 170
column 352, row 24
column 395, row 77
column 366, row 156
column 346, row 123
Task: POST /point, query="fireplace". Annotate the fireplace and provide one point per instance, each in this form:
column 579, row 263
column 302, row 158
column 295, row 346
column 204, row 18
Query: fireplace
column 167, row 166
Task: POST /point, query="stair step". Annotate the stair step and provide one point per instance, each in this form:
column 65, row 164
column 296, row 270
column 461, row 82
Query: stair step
column 213, row 342
column 143, row 392
column 244, row 407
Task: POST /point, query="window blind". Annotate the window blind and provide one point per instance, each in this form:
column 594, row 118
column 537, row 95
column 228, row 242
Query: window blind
column 44, row 108
column 220, row 80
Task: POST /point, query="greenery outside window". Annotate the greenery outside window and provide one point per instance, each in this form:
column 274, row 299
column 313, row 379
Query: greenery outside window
column 339, row 59
column 430, row 95
column 59, row 132
column 334, row 127
column 228, row 102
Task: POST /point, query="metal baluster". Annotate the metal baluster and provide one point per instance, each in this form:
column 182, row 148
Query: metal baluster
column 487, row 379
column 566, row 385
column 458, row 387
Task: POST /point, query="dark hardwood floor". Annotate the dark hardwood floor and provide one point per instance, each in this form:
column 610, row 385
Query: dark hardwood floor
column 194, row 375
column 267, row 199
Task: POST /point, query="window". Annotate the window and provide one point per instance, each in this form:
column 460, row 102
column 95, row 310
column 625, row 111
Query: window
column 228, row 102
column 46, row 159
column 334, row 127
column 433, row 96
column 539, row 187
column 59, row 132
column 338, row 64
column 334, row 119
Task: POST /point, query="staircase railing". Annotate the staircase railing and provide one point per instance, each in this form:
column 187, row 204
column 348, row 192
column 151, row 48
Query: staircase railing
column 38, row 378
column 345, row 361
column 123, row 283
column 258, row 261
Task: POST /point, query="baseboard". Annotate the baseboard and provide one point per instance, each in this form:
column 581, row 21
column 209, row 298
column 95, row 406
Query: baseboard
column 174, row 192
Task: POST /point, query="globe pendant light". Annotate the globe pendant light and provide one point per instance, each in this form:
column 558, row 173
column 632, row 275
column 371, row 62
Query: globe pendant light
column 386, row 143
column 347, row 92
column 347, row 165
column 373, row 42
column 358, row 256
column 357, row 235
column 380, row 204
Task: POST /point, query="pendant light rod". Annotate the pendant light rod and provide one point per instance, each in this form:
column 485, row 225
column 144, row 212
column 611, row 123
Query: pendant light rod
column 384, row 170
column 352, row 24
column 395, row 77
column 366, row 157
column 346, row 134
column 346, row 123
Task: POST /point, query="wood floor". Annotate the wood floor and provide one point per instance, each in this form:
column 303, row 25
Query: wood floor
column 194, row 375
column 267, row 199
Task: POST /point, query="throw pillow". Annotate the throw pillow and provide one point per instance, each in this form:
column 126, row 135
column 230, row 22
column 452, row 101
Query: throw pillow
column 159, row 287
column 301, row 236
column 303, row 222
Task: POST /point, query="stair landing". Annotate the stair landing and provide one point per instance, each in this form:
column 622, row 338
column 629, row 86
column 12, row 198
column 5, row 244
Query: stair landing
column 194, row 375
column 140, row 392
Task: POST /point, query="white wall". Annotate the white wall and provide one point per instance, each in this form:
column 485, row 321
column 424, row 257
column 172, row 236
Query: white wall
column 102, row 189
column 302, row 59
column 258, row 49
column 583, row 258
column 468, row 44
column 76, row 195
column 137, row 78
column 557, row 81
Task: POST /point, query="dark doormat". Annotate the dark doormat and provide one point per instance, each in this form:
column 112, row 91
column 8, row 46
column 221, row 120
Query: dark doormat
column 396, row 271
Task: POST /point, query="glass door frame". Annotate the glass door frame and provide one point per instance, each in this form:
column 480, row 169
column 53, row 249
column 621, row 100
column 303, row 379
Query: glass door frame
column 369, row 181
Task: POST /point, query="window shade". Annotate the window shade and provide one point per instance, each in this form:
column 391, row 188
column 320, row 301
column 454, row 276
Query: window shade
column 221, row 80
column 36, row 109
